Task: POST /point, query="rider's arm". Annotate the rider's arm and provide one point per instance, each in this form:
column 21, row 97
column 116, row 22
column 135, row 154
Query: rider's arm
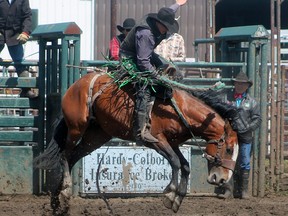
column 144, row 48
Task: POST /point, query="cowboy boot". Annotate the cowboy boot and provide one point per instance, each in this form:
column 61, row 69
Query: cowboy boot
column 142, row 132
column 228, row 190
column 26, row 92
column 146, row 134
column 141, row 124
column 245, row 183
column 237, row 184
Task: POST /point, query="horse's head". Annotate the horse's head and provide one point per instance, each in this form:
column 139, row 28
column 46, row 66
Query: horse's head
column 221, row 155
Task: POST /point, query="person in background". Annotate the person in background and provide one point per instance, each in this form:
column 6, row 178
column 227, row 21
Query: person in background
column 15, row 28
column 248, row 121
column 172, row 48
column 138, row 47
column 114, row 45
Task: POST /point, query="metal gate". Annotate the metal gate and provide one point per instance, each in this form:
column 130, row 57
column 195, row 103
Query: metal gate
column 24, row 121
column 21, row 130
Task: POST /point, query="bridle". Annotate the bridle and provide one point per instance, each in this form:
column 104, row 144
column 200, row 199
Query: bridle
column 217, row 160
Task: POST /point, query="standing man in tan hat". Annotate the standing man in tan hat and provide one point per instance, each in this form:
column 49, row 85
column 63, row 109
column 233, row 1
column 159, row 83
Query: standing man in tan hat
column 116, row 41
column 249, row 120
column 138, row 46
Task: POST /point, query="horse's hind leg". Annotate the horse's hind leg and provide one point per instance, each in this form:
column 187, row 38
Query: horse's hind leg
column 61, row 189
column 182, row 189
column 60, row 195
column 93, row 138
column 58, row 204
column 55, row 188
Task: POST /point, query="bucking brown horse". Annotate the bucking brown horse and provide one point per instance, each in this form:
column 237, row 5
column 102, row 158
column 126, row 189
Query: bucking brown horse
column 95, row 110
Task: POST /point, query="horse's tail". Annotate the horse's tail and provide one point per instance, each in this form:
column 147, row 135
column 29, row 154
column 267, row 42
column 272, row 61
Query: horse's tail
column 50, row 158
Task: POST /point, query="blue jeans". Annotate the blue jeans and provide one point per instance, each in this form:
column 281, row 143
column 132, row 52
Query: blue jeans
column 244, row 155
column 17, row 53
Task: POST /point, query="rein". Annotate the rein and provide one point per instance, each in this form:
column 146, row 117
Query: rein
column 229, row 164
column 185, row 122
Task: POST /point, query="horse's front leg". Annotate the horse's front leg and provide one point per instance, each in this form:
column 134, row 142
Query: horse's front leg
column 185, row 171
column 164, row 148
column 172, row 188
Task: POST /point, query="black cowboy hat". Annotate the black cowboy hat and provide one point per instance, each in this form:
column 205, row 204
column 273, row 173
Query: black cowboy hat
column 242, row 78
column 128, row 24
column 166, row 16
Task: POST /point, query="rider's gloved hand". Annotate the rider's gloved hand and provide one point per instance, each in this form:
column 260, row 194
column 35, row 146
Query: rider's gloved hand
column 154, row 74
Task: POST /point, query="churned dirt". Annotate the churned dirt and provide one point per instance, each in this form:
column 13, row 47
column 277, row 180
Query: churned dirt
column 30, row 205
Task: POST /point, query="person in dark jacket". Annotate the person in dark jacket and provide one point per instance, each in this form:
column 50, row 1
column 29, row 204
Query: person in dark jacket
column 249, row 119
column 114, row 45
column 139, row 46
column 15, row 28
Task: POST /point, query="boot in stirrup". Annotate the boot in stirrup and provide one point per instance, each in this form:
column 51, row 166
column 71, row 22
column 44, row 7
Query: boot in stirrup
column 143, row 134
column 146, row 134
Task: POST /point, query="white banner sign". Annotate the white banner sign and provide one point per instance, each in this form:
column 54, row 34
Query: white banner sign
column 128, row 170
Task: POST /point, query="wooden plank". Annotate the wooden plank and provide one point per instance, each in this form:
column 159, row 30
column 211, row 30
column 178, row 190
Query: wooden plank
column 18, row 103
column 24, row 136
column 18, row 121
column 15, row 82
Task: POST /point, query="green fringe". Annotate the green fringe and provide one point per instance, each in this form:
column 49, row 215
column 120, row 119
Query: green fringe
column 126, row 72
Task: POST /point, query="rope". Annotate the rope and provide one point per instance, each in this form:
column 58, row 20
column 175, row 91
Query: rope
column 130, row 68
column 82, row 67
column 167, row 82
column 185, row 122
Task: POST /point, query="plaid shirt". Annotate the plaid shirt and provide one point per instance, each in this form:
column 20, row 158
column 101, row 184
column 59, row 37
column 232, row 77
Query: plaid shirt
column 114, row 47
column 172, row 48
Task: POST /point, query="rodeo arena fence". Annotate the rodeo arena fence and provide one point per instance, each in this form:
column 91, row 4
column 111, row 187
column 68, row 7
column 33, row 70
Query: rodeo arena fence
column 26, row 123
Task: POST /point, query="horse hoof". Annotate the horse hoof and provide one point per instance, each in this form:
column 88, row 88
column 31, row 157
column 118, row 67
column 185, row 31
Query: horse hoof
column 58, row 212
column 171, row 196
column 167, row 203
column 176, row 204
column 175, row 207
column 67, row 193
column 54, row 203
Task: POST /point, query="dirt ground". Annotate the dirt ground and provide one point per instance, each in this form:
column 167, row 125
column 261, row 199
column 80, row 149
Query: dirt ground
column 30, row 205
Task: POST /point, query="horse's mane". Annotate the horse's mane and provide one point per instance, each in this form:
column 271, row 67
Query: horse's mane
column 212, row 99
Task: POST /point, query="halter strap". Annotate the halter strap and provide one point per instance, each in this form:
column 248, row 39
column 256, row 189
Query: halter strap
column 226, row 163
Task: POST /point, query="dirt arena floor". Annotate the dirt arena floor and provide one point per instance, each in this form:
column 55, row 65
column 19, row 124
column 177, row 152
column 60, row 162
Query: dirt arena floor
column 30, row 205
